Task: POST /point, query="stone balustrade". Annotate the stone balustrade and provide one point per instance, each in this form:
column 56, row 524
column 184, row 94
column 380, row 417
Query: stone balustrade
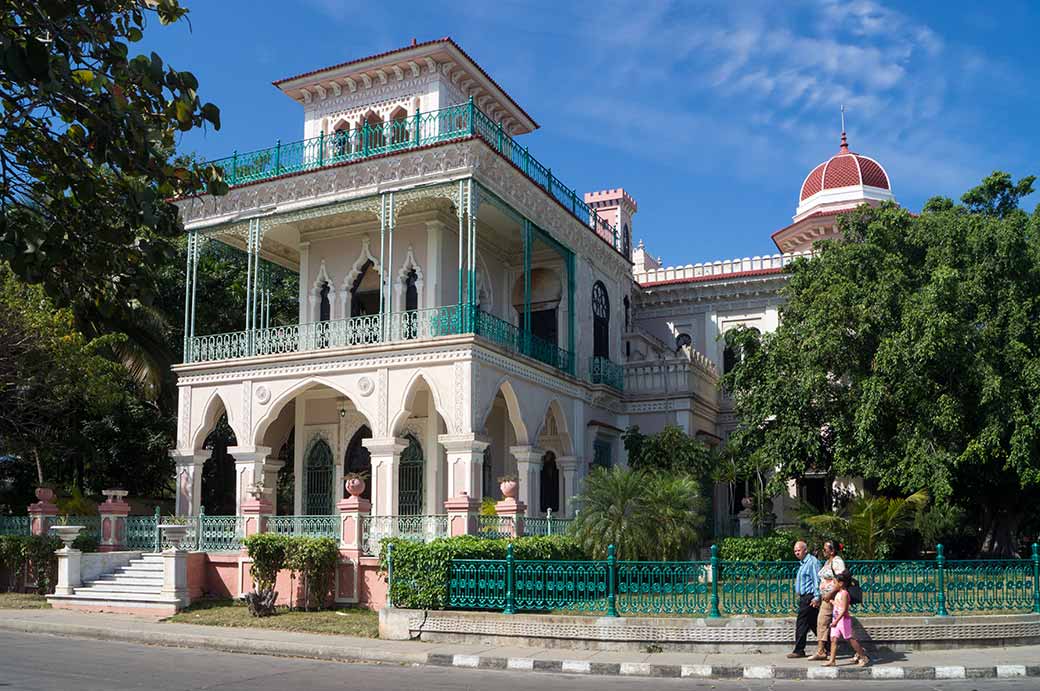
column 719, row 268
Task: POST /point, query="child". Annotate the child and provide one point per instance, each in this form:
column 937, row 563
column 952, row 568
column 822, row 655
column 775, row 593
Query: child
column 841, row 624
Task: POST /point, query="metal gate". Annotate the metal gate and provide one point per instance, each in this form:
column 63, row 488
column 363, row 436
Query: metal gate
column 410, row 479
column 317, row 485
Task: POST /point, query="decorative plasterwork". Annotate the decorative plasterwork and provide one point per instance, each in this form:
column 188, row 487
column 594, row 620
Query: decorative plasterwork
column 314, row 297
column 408, row 265
column 363, row 258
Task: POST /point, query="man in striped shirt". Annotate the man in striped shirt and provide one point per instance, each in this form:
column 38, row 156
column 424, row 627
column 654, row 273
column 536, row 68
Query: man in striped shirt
column 807, row 586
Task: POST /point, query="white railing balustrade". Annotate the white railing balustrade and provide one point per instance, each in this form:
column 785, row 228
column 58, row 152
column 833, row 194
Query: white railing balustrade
column 720, row 268
column 415, row 528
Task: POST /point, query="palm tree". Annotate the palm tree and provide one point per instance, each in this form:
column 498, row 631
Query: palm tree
column 870, row 523
column 645, row 515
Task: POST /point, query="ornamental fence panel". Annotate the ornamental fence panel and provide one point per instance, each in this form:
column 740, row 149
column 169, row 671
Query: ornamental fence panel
column 14, row 525
column 413, row 528
column 142, row 533
column 91, row 525
column 716, row 587
column 220, row 533
column 304, row 526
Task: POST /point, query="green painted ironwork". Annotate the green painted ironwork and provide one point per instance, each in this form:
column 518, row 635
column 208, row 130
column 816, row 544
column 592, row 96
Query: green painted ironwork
column 897, row 586
column 220, row 533
column 991, row 585
column 141, row 533
column 603, row 371
column 91, row 525
column 494, row 527
column 756, row 587
column 653, row 587
column 714, row 613
column 423, row 129
column 511, row 338
column 14, row 525
column 410, row 497
column 477, row 584
column 304, row 526
column 547, row 526
column 317, row 486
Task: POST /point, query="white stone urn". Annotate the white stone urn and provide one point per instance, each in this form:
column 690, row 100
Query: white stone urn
column 67, row 533
column 174, row 534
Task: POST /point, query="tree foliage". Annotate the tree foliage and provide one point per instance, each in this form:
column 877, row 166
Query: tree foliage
column 644, row 514
column 868, row 526
column 86, row 133
column 671, row 450
column 908, row 353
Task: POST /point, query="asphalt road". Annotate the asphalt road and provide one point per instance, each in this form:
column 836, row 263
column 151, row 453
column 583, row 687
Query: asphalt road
column 30, row 662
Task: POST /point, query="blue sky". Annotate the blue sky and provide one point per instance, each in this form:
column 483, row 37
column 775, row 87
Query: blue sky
column 709, row 114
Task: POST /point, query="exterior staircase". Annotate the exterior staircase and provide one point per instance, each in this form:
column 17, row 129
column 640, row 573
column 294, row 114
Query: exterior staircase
column 134, row 588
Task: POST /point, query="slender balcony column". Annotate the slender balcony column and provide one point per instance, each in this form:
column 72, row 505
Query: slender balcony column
column 386, row 462
column 568, row 466
column 465, row 456
column 253, row 465
column 188, row 477
column 529, row 474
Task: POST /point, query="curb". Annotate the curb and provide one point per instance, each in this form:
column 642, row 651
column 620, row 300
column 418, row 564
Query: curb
column 346, row 653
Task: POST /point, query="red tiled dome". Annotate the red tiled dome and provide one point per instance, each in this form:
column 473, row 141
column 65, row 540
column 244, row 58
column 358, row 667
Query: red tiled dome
column 844, row 169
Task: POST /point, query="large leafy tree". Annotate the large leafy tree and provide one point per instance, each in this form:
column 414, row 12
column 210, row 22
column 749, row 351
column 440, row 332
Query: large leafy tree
column 909, row 353
column 86, row 132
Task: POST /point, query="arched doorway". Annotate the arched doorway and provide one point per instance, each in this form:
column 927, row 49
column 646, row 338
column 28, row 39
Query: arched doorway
column 550, row 484
column 317, row 479
column 600, row 321
column 364, row 292
column 410, row 479
column 358, row 459
column 286, row 477
column 218, row 472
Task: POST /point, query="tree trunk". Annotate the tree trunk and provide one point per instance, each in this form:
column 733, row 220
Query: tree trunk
column 1000, row 538
column 39, row 466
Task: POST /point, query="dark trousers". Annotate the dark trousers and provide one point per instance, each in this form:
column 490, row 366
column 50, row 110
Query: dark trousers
column 806, row 621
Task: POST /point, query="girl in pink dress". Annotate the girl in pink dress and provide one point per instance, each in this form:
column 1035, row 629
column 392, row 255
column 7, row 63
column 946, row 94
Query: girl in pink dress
column 841, row 624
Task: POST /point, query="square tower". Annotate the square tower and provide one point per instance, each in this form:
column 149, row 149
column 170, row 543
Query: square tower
column 616, row 207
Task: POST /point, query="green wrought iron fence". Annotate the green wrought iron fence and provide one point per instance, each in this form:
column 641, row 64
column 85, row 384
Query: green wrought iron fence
column 603, row 371
column 142, row 533
column 501, row 332
column 304, row 526
column 91, row 525
column 716, row 587
column 495, row 527
column 421, row 129
column 14, row 525
column 219, row 533
column 546, row 526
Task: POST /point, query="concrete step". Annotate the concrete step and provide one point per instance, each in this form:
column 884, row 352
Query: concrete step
column 98, row 587
column 142, row 569
column 124, row 580
column 115, row 602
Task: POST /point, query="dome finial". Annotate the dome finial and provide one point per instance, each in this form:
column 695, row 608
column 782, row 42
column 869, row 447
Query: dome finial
column 844, row 139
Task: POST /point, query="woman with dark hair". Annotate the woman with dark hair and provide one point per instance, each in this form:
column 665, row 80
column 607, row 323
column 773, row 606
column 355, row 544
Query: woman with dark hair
column 833, row 565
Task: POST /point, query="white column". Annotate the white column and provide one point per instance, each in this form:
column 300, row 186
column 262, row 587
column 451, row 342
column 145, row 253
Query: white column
column 465, row 454
column 305, row 282
column 529, row 472
column 298, row 450
column 432, row 499
column 188, row 480
column 386, row 463
column 433, row 270
column 252, row 465
column 568, row 466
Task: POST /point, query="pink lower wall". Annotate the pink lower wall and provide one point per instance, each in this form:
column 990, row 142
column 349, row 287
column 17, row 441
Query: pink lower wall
column 226, row 575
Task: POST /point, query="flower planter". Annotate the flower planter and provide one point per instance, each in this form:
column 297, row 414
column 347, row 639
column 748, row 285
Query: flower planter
column 67, row 533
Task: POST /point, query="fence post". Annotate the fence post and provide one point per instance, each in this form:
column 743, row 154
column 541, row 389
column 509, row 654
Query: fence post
column 234, row 167
column 321, row 148
column 714, row 614
column 1036, row 578
column 198, row 529
column 499, row 136
column 472, row 124
column 390, row 574
column 940, row 599
column 418, row 139
column 278, row 157
column 548, row 521
column 611, row 575
column 510, row 581
column 364, row 138
column 158, row 537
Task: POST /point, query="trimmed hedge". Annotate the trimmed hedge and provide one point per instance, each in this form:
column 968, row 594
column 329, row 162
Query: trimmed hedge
column 422, row 571
column 313, row 559
column 776, row 546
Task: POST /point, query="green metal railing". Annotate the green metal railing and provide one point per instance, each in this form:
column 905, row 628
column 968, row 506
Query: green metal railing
column 512, row 338
column 715, row 587
column 546, row 526
column 142, row 532
column 603, row 371
column 417, row 528
column 14, row 525
column 306, row 526
column 414, row 131
column 219, row 533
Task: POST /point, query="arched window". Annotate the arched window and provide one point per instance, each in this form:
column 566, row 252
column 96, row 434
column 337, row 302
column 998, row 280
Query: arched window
column 285, row 490
column 359, row 460
column 317, row 479
column 411, row 293
column 488, row 474
column 218, row 472
column 399, row 127
column 683, row 341
column 410, row 479
column 627, row 307
column 626, row 241
column 731, row 357
column 374, row 138
column 550, row 483
column 325, row 308
column 364, row 292
column 600, row 321
column 341, row 139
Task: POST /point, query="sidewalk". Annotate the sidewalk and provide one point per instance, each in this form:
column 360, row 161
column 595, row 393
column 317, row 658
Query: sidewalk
column 965, row 663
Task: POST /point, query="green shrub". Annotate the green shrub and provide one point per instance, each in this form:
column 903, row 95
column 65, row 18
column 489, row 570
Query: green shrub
column 777, row 546
column 422, row 571
column 267, row 550
column 38, row 553
column 314, row 559
column 86, row 543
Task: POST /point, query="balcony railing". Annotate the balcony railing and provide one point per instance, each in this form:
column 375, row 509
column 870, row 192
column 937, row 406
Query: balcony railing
column 603, row 371
column 375, row 329
column 414, row 131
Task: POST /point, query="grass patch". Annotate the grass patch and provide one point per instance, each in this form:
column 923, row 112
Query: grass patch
column 23, row 601
column 352, row 621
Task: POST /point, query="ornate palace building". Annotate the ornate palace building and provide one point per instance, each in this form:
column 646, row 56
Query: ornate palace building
column 463, row 313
